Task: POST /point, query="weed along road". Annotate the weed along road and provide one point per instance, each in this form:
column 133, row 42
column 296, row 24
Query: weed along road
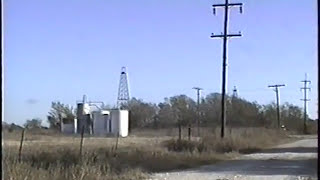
column 297, row 160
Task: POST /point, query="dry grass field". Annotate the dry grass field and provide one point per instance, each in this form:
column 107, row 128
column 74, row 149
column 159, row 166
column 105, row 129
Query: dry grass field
column 54, row 156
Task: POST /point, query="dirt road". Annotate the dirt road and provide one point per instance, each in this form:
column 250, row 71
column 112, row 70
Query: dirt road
column 296, row 160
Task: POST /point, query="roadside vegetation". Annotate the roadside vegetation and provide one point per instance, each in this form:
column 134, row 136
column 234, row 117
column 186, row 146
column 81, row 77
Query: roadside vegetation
column 153, row 145
column 239, row 140
column 53, row 156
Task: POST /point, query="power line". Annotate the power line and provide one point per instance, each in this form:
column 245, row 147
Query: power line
column 225, row 35
column 277, row 97
column 305, row 102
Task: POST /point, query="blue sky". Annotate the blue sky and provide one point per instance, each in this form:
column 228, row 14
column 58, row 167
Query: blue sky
column 59, row 50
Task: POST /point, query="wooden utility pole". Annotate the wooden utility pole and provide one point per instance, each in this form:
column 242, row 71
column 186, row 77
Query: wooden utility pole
column 305, row 102
column 198, row 111
column 277, row 97
column 225, row 35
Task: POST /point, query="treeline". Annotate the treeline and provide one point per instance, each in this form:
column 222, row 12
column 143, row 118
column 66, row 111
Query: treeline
column 182, row 110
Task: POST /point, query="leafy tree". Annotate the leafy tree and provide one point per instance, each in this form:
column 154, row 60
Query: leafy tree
column 292, row 117
column 141, row 114
column 270, row 115
column 211, row 108
column 165, row 115
column 184, row 109
column 60, row 112
column 33, row 124
column 241, row 112
column 11, row 127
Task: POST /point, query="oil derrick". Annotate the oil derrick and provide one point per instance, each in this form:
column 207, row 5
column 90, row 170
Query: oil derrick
column 233, row 101
column 123, row 92
column 235, row 92
column 232, row 111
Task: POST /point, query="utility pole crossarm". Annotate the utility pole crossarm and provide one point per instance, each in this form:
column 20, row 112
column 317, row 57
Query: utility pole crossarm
column 226, row 5
column 306, row 81
column 197, row 88
column 305, row 88
column 277, row 85
column 229, row 4
column 228, row 35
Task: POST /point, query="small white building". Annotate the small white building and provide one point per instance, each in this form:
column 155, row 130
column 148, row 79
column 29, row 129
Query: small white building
column 69, row 128
column 99, row 122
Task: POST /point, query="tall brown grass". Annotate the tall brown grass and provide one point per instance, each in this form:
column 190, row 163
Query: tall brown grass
column 246, row 140
column 57, row 157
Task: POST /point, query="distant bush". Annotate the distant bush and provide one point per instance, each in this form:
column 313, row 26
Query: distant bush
column 181, row 145
column 312, row 127
column 241, row 140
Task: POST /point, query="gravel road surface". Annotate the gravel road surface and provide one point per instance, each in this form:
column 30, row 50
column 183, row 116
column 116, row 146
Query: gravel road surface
column 291, row 161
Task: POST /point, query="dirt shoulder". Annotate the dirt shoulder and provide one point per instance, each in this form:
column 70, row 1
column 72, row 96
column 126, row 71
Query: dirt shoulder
column 286, row 161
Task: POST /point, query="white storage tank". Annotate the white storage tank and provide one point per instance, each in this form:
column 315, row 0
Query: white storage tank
column 86, row 108
column 120, row 122
column 100, row 122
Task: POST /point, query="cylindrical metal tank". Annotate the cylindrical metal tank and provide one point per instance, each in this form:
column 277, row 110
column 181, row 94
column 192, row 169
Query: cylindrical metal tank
column 79, row 110
column 120, row 122
column 83, row 109
column 86, row 108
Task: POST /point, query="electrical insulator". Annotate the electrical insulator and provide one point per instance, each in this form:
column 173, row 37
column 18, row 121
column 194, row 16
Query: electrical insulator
column 241, row 9
column 214, row 11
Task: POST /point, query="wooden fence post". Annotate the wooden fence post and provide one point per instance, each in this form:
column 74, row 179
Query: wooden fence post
column 81, row 141
column 21, row 142
column 117, row 142
column 179, row 127
column 189, row 133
